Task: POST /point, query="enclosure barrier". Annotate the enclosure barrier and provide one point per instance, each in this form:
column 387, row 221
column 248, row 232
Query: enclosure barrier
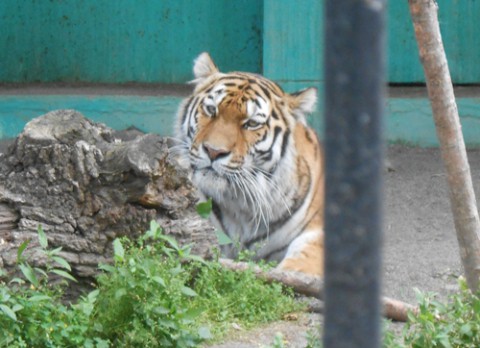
column 354, row 98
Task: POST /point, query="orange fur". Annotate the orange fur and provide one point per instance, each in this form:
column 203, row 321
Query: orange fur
column 239, row 130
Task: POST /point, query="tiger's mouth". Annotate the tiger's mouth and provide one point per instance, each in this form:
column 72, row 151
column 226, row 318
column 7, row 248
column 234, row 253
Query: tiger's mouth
column 214, row 168
column 218, row 177
column 210, row 173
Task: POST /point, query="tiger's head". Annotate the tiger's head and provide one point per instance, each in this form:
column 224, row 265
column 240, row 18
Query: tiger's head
column 237, row 130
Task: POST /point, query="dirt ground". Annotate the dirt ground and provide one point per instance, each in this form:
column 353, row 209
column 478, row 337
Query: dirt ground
column 420, row 248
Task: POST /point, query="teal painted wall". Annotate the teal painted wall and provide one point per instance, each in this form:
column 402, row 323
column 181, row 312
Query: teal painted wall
column 407, row 119
column 293, row 41
column 293, row 47
column 293, row 56
column 118, row 41
column 155, row 40
column 149, row 114
column 461, row 37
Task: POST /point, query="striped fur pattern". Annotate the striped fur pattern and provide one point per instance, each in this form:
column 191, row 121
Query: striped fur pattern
column 249, row 148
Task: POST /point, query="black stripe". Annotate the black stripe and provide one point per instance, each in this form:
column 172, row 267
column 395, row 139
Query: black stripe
column 274, row 114
column 194, row 113
column 185, row 110
column 264, row 136
column 190, row 132
column 208, row 90
column 232, row 77
column 269, row 151
column 272, row 86
column 194, row 106
column 286, row 138
column 282, row 115
column 265, row 91
column 263, row 81
column 276, row 132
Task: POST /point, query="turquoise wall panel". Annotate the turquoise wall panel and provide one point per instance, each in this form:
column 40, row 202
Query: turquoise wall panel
column 293, row 47
column 408, row 120
column 155, row 41
column 293, row 40
column 461, row 38
column 149, row 114
column 125, row 40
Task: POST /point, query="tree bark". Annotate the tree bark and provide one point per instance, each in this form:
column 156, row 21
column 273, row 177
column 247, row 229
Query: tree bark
column 449, row 132
column 87, row 185
column 313, row 286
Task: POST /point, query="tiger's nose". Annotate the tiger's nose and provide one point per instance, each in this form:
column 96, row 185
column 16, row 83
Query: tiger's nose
column 214, row 153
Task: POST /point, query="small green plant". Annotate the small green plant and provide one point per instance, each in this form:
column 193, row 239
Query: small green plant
column 145, row 299
column 170, row 296
column 204, row 209
column 155, row 294
column 455, row 324
column 314, row 340
column 31, row 311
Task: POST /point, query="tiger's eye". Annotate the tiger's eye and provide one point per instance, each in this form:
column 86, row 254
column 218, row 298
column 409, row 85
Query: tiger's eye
column 251, row 124
column 211, row 110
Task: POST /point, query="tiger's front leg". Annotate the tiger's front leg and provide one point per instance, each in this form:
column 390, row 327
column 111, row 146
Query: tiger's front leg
column 305, row 254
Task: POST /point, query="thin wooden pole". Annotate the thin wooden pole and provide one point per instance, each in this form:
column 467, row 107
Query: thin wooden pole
column 449, row 132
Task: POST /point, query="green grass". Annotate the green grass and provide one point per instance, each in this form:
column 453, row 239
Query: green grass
column 156, row 294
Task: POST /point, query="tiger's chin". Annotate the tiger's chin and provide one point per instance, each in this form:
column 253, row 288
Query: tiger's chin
column 211, row 183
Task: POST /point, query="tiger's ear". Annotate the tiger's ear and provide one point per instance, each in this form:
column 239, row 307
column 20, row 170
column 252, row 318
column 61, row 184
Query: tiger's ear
column 203, row 67
column 304, row 101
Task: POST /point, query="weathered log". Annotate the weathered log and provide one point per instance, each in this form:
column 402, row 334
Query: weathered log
column 86, row 186
column 313, row 286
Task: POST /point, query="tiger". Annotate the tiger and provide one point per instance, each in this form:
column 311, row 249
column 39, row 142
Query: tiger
column 248, row 147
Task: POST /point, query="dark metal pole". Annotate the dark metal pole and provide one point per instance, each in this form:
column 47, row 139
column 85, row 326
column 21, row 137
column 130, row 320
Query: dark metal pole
column 354, row 83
